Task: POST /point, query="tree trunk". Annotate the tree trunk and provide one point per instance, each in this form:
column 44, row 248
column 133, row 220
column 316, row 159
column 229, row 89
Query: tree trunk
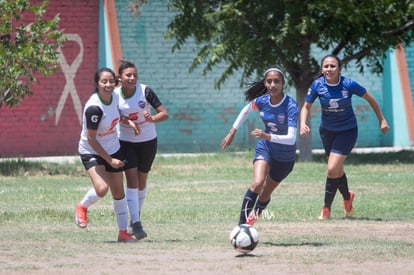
column 305, row 143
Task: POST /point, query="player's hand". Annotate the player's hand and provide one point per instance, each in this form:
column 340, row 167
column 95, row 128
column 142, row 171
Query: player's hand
column 135, row 127
column 227, row 140
column 384, row 126
column 116, row 163
column 260, row 134
column 148, row 116
column 304, row 130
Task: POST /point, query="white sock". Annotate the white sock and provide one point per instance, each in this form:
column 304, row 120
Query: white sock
column 121, row 212
column 132, row 200
column 141, row 197
column 90, row 198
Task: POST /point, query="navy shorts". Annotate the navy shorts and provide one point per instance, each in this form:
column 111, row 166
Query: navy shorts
column 91, row 160
column 139, row 154
column 279, row 170
column 339, row 142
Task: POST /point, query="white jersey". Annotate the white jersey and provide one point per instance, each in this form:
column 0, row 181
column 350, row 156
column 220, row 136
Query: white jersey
column 133, row 107
column 103, row 118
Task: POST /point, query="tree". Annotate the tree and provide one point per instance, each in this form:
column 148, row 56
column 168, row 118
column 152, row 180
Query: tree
column 253, row 35
column 28, row 46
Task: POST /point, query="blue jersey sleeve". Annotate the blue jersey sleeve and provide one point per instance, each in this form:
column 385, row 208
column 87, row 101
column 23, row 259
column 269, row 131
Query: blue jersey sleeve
column 313, row 91
column 354, row 87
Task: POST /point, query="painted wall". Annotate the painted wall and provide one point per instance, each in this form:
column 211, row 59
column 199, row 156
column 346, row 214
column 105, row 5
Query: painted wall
column 49, row 122
column 200, row 115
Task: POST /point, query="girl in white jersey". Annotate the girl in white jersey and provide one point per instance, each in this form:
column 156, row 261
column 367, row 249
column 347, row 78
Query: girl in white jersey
column 101, row 153
column 138, row 137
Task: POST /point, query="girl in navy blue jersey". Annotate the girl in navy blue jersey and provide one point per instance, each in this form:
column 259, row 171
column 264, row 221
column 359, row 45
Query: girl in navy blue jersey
column 275, row 151
column 338, row 128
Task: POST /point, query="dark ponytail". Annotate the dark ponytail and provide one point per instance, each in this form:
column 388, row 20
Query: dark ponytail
column 256, row 89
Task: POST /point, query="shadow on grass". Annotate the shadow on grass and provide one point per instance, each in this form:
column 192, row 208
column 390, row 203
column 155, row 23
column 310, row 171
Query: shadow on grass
column 242, row 255
column 404, row 156
column 364, row 219
column 314, row 244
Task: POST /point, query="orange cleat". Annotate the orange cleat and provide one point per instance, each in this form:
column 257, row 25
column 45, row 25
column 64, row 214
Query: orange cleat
column 124, row 237
column 325, row 214
column 348, row 209
column 81, row 216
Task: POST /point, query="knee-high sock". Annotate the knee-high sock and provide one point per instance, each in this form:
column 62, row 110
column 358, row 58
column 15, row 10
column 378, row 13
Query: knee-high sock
column 90, row 198
column 121, row 212
column 330, row 191
column 132, row 200
column 343, row 187
column 141, row 197
column 260, row 206
column 247, row 205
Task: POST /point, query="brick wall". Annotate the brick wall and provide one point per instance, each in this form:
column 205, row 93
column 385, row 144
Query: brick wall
column 201, row 115
column 48, row 123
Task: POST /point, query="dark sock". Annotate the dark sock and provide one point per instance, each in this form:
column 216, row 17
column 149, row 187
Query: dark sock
column 260, row 206
column 247, row 205
column 330, row 191
column 343, row 187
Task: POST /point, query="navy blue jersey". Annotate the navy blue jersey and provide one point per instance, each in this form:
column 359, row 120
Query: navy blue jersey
column 337, row 113
column 277, row 119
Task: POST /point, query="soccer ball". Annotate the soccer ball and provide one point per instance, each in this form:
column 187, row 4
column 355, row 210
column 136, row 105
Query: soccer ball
column 244, row 238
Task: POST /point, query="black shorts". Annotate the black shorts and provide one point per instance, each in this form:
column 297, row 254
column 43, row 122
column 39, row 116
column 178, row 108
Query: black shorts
column 139, row 154
column 91, row 160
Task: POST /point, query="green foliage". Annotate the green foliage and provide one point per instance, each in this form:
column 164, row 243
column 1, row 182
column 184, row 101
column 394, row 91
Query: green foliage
column 253, row 35
column 28, row 47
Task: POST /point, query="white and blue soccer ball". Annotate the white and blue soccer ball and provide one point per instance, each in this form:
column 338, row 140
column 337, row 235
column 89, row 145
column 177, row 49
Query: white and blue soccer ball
column 244, row 238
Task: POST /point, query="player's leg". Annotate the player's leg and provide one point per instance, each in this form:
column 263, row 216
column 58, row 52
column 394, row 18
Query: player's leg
column 260, row 170
column 341, row 148
column 278, row 172
column 115, row 182
column 327, row 138
column 99, row 190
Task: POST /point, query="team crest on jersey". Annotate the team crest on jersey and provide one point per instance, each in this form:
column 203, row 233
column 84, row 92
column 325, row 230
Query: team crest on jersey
column 281, row 118
column 333, row 103
column 344, row 93
column 141, row 104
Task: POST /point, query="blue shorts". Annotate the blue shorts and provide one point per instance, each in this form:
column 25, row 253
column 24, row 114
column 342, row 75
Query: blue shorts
column 279, row 170
column 91, row 160
column 139, row 154
column 341, row 142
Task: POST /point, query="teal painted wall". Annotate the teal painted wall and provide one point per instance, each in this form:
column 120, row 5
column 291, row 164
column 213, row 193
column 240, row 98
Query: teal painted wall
column 409, row 55
column 200, row 116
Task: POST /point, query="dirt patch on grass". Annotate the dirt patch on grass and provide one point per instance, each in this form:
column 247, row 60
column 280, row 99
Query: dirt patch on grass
column 332, row 247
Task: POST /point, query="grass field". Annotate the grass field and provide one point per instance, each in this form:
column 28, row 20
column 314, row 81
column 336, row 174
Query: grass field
column 191, row 207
